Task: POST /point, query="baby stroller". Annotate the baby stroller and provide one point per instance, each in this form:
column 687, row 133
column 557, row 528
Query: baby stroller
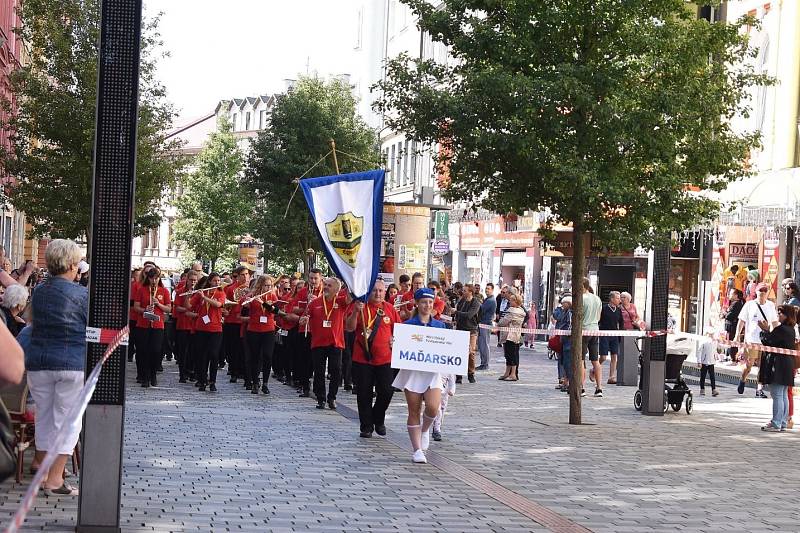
column 673, row 397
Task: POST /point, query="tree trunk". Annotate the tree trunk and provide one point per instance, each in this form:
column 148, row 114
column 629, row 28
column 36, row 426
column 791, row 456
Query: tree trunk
column 576, row 339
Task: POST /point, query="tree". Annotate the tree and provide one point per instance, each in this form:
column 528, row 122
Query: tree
column 612, row 117
column 52, row 132
column 215, row 211
column 298, row 135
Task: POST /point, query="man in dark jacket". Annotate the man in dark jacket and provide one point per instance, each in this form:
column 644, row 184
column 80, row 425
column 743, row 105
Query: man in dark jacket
column 487, row 314
column 466, row 318
column 610, row 319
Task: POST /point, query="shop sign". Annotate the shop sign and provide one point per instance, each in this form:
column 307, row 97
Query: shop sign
column 743, row 253
column 410, row 210
column 441, row 247
column 492, row 234
column 412, row 257
column 441, row 228
column 563, row 247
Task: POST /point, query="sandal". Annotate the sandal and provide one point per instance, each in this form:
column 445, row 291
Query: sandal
column 63, row 490
column 502, row 378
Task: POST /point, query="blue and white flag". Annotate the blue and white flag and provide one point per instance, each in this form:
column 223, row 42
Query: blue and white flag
column 348, row 214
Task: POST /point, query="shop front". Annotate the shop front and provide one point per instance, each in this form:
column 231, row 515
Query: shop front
column 404, row 241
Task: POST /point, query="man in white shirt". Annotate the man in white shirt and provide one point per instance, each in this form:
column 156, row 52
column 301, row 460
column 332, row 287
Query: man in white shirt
column 749, row 317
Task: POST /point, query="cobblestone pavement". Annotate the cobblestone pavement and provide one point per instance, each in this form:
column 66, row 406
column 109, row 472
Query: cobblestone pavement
column 235, row 461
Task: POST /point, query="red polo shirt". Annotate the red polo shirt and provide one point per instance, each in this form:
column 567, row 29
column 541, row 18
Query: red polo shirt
column 145, row 296
column 182, row 322
column 381, row 347
column 438, row 307
column 214, row 314
column 234, row 312
column 260, row 321
column 133, row 315
column 321, row 310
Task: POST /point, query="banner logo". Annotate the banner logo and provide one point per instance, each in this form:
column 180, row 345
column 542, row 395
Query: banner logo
column 345, row 232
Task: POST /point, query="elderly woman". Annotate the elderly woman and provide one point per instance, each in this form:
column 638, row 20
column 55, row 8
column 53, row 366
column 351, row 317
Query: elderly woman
column 513, row 318
column 14, row 301
column 55, row 358
column 630, row 316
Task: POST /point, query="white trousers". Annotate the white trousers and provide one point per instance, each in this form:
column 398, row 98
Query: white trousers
column 55, row 392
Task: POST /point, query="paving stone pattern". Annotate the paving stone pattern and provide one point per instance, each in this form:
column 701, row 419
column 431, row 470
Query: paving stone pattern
column 230, row 461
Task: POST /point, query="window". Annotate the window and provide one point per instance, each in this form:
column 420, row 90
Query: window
column 262, row 119
column 400, row 169
column 359, row 29
column 406, row 159
column 171, row 247
column 393, row 167
column 413, row 161
column 247, row 122
column 7, row 234
column 145, row 242
column 233, row 122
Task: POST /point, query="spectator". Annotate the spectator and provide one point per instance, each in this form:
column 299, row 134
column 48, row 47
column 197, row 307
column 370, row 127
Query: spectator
column 488, row 310
column 791, row 292
column 466, row 317
column 782, row 366
column 731, row 316
column 513, row 318
column 564, row 322
column 55, row 360
column 752, row 312
column 592, row 306
column 611, row 319
column 630, row 315
column 14, row 301
column 12, row 361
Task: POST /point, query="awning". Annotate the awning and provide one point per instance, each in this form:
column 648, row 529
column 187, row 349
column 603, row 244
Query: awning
column 770, row 198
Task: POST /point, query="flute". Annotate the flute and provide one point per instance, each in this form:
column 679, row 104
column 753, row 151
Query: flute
column 220, row 286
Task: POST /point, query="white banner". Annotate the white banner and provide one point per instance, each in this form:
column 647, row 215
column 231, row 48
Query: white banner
column 348, row 212
column 427, row 349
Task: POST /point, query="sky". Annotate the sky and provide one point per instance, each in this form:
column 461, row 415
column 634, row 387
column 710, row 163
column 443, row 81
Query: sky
column 239, row 48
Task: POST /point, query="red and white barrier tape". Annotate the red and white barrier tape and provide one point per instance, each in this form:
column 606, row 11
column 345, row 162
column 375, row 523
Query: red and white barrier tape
column 73, row 418
column 737, row 344
column 567, row 332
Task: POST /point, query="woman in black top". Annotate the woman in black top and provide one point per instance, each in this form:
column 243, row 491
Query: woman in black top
column 736, row 298
column 782, row 365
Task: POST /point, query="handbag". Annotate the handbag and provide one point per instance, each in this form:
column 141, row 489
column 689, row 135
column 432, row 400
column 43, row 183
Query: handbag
column 554, row 343
column 8, row 459
column 796, row 358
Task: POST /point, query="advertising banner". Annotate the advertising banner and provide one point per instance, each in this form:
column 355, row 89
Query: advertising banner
column 430, row 349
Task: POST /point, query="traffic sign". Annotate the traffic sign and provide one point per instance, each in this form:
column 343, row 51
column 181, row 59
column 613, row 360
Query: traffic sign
column 441, row 247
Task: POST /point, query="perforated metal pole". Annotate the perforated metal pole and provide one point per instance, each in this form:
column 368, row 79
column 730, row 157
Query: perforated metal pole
column 110, row 249
column 654, row 349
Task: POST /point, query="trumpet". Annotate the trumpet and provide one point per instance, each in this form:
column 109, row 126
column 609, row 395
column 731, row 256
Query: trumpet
column 220, row 286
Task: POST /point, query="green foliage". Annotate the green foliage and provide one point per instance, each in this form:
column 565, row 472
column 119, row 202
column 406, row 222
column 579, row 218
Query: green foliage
column 214, row 211
column 603, row 112
column 53, row 131
column 298, row 135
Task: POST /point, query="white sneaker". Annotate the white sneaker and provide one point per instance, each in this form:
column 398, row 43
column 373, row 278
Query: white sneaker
column 419, row 457
column 426, row 440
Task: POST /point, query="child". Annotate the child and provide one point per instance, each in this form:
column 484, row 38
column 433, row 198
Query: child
column 449, row 387
column 706, row 357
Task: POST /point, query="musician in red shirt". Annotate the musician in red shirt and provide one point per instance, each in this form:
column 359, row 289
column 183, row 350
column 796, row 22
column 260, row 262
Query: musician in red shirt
column 407, row 304
column 372, row 357
column 183, row 324
column 208, row 327
column 325, row 319
column 303, row 359
column 133, row 316
column 279, row 363
column 152, row 303
column 231, row 329
column 261, row 332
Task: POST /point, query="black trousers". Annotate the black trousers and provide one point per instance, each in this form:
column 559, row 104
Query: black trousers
column 208, row 345
column 149, row 346
column 262, row 346
column 168, row 344
column 136, row 336
column 182, row 351
column 304, row 362
column 366, row 378
column 707, row 369
column 347, row 357
column 277, row 355
column 131, row 338
column 232, row 347
column 511, row 351
column 332, row 356
column 730, row 329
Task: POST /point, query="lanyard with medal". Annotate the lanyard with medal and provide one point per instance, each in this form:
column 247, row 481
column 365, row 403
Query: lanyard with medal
column 327, row 322
column 369, row 331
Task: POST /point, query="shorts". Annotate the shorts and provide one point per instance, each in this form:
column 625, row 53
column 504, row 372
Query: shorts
column 590, row 345
column 752, row 355
column 609, row 345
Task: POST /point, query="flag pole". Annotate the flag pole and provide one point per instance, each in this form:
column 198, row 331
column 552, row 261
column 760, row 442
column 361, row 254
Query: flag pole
column 335, row 160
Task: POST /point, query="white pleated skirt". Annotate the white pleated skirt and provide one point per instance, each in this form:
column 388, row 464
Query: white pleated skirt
column 417, row 381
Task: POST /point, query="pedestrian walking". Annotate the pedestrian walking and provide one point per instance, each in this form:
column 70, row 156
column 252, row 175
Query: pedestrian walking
column 487, row 312
column 325, row 319
column 372, row 325
column 731, row 317
column 419, row 386
column 706, row 358
column 752, row 312
column 780, row 373
column 592, row 307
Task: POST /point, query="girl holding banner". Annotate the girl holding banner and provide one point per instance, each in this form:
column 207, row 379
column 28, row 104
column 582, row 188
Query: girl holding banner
column 420, row 386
